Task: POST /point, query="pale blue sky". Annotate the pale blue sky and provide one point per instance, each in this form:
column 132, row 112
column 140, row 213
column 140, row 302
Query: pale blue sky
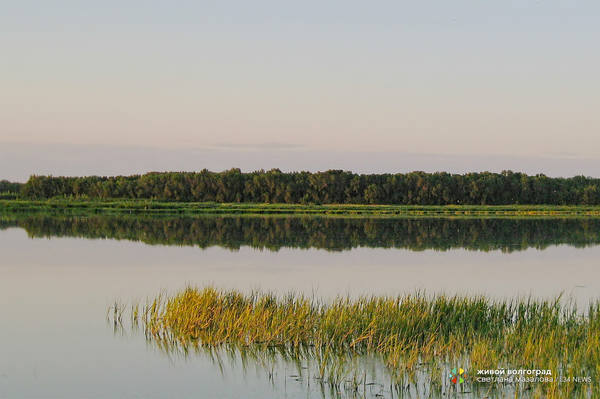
column 445, row 84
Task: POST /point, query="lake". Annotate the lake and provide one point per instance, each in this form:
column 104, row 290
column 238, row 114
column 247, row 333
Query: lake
column 60, row 274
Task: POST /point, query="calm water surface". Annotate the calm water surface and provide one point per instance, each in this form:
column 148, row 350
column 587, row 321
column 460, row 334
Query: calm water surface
column 58, row 275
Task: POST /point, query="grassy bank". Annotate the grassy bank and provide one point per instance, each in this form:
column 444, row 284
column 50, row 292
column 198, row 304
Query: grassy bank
column 83, row 207
column 413, row 335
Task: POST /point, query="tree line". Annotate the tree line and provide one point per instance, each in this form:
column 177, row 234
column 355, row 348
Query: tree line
column 9, row 190
column 10, row 187
column 329, row 187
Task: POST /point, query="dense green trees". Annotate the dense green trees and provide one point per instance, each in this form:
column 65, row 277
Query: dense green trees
column 9, row 190
column 330, row 187
column 9, row 187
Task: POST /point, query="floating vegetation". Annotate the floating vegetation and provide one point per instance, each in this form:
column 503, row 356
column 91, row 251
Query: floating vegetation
column 425, row 345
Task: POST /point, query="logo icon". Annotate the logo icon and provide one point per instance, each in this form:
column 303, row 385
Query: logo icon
column 457, row 376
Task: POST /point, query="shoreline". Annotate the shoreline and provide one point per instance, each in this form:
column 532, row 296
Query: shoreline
column 154, row 207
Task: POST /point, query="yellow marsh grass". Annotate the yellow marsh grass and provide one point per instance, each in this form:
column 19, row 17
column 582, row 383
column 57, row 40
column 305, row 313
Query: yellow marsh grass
column 406, row 331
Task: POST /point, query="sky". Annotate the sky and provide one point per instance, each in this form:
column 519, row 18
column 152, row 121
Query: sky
column 120, row 87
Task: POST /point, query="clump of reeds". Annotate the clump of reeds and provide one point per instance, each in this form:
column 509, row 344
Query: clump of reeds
column 407, row 331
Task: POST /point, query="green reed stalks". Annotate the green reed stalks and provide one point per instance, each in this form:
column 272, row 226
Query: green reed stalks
column 407, row 332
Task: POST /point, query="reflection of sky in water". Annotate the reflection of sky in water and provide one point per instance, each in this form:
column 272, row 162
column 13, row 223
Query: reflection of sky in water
column 54, row 294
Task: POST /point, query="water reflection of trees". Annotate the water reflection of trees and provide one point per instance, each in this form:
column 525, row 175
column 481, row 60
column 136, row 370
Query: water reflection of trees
column 334, row 234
